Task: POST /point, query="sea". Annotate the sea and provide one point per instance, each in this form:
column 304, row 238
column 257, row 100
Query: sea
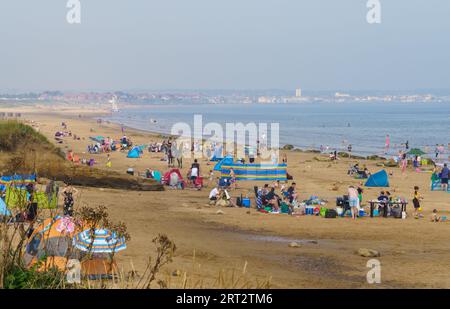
column 314, row 125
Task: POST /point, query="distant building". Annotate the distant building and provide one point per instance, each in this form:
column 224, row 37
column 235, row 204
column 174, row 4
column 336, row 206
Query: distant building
column 341, row 95
column 298, row 92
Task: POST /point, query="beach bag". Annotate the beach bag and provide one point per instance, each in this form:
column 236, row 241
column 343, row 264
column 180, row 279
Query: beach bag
column 239, row 201
column 330, row 214
column 396, row 212
column 323, row 212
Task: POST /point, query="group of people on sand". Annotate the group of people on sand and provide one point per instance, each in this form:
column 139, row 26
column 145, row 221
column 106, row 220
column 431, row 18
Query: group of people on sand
column 172, row 152
column 106, row 145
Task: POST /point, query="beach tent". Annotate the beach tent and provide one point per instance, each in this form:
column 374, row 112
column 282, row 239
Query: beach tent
column 166, row 178
column 4, row 211
column 134, row 153
column 50, row 245
column 228, row 160
column 379, row 179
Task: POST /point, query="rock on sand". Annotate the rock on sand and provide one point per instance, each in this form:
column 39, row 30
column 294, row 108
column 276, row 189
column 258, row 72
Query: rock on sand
column 294, row 245
column 368, row 252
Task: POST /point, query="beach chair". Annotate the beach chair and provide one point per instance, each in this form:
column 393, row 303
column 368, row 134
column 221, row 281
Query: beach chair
column 258, row 198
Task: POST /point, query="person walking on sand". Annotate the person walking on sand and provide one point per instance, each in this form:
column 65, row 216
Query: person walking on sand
column 353, row 201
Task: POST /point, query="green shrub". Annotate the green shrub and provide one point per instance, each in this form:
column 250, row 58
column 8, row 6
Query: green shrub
column 14, row 134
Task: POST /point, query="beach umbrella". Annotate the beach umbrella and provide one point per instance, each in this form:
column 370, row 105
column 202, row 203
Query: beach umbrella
column 416, row 152
column 99, row 241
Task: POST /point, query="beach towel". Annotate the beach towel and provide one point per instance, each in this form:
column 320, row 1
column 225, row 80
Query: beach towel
column 157, row 176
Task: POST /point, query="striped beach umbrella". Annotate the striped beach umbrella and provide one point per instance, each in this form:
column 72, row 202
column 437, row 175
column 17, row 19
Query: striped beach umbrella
column 99, row 241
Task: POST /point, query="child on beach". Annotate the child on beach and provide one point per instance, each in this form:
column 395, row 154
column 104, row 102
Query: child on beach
column 435, row 217
column 211, row 177
column 108, row 161
column 416, row 202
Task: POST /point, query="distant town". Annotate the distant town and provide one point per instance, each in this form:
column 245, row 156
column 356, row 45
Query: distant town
column 215, row 97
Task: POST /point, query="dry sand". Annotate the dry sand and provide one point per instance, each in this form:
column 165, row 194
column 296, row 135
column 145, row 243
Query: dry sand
column 414, row 253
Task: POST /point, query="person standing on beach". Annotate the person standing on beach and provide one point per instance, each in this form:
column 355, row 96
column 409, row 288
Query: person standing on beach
column 387, row 144
column 353, row 201
column 444, row 177
column 416, row 202
column 169, row 154
column 360, row 194
column 404, row 163
column 69, row 201
column 195, row 171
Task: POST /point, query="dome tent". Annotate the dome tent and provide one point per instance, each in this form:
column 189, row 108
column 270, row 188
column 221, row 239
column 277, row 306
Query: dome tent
column 379, row 179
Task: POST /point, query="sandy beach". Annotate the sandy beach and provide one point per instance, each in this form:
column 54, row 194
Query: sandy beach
column 254, row 246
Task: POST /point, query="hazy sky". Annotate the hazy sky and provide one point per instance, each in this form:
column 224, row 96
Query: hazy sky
column 224, row 44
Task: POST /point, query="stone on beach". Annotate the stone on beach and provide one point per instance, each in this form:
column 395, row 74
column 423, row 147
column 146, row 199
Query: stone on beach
column 368, row 252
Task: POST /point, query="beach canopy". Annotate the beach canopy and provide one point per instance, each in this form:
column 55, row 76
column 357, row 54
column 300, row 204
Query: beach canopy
column 4, row 211
column 99, row 241
column 416, row 152
column 379, row 179
column 228, row 160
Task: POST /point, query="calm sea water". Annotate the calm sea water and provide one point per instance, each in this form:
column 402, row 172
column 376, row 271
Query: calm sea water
column 310, row 125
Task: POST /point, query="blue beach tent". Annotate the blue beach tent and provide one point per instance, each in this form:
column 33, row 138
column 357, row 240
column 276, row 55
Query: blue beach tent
column 379, row 179
column 134, row 153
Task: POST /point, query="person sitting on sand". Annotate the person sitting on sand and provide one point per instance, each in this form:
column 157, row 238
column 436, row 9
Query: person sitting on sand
column 286, row 207
column 292, row 193
column 435, row 217
column 273, row 200
column 214, row 194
